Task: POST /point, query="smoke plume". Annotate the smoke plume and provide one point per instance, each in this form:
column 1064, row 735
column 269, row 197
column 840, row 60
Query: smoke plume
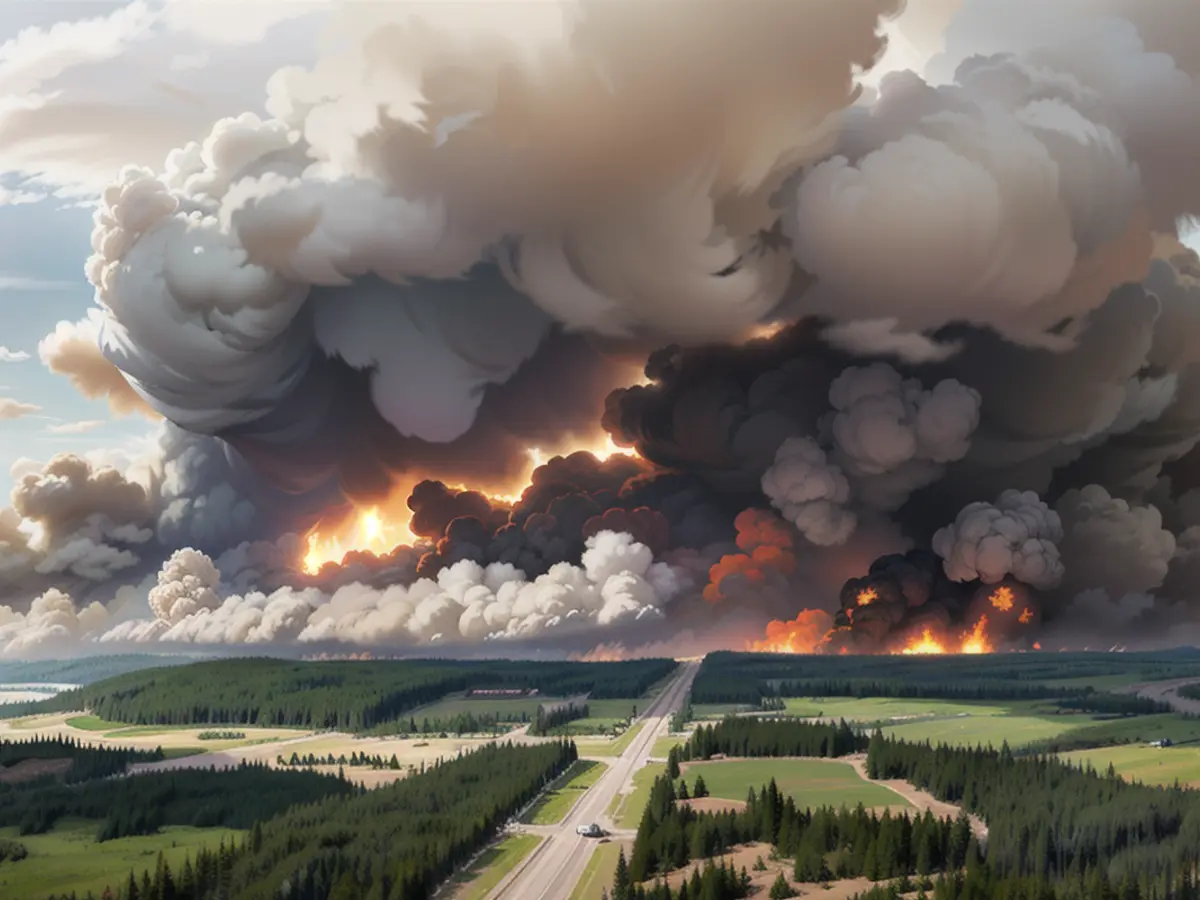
column 618, row 320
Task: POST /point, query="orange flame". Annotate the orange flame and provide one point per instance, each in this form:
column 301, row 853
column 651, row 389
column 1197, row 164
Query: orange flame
column 800, row 635
column 866, row 595
column 377, row 533
column 926, row 644
column 1037, row 646
column 976, row 640
column 1026, row 616
column 1002, row 598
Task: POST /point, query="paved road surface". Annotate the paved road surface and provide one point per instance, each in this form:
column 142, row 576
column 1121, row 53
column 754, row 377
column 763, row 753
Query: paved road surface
column 555, row 867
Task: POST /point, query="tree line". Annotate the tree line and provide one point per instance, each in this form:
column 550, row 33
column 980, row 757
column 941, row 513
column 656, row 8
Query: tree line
column 730, row 677
column 748, row 736
column 350, row 695
column 88, row 761
column 354, row 760
column 141, row 804
column 555, row 716
column 825, row 843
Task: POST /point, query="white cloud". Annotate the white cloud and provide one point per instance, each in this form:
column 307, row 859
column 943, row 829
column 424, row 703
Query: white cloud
column 75, row 427
column 11, row 197
column 12, row 356
column 15, row 409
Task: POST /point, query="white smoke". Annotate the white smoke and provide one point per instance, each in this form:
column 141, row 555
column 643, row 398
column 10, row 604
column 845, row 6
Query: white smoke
column 187, row 584
column 52, row 625
column 1018, row 536
column 617, row 582
column 810, row 492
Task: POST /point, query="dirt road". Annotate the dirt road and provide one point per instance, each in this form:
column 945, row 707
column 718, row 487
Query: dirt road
column 553, row 869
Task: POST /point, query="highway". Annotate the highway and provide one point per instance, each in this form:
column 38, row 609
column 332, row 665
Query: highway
column 555, row 867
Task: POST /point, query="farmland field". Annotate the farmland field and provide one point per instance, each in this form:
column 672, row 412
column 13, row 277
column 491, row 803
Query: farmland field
column 973, row 730
column 884, row 709
column 68, row 860
column 610, row 748
column 1149, row 765
column 561, row 796
column 811, row 782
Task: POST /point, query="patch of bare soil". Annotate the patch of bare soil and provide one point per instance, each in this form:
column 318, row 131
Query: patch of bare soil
column 32, row 769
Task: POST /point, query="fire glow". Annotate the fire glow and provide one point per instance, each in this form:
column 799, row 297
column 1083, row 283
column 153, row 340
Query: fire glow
column 370, row 531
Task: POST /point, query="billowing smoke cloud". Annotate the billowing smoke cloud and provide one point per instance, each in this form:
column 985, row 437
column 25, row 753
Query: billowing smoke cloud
column 985, row 331
column 73, row 350
column 53, row 625
column 617, row 581
column 1018, row 535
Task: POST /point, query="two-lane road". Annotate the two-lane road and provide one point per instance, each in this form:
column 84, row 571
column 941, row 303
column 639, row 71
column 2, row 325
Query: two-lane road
column 555, row 867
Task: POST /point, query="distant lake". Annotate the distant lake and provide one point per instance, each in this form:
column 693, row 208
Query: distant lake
column 23, row 693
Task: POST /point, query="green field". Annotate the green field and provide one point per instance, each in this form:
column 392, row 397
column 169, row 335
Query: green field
column 626, row 810
column 967, row 730
column 1133, row 730
column 67, row 859
column 564, row 793
column 94, row 723
column 1149, row 765
column 492, row 865
column 886, row 709
column 812, row 782
column 597, row 877
column 718, row 710
column 662, row 747
column 604, row 716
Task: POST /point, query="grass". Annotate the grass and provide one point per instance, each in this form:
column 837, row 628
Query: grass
column 94, row 723
column 598, row 875
column 885, row 709
column 554, row 805
column 1149, row 765
column 490, row 867
column 718, row 710
column 663, row 746
column 970, row 731
column 812, row 782
column 68, row 860
column 610, row 748
column 510, row 709
column 1133, row 730
column 626, row 810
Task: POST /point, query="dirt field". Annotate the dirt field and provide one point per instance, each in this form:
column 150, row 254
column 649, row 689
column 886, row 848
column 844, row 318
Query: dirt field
column 922, row 800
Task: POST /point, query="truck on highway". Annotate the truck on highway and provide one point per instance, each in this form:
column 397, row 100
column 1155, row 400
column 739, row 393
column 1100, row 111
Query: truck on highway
column 592, row 830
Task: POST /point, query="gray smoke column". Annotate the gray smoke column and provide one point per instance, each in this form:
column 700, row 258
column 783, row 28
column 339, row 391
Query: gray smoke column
column 1018, row 535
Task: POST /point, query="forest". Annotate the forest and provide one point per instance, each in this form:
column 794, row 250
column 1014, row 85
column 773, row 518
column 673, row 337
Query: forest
column 729, row 677
column 347, row 695
column 233, row 798
column 1055, row 832
column 87, row 760
column 551, row 716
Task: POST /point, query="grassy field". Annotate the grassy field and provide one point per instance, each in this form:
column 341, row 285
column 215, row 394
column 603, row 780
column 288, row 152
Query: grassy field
column 610, row 748
column 812, row 782
column 598, row 876
column 92, row 723
column 663, row 745
column 67, row 859
column 626, row 811
column 718, row 710
column 564, row 793
column 970, row 731
column 1149, row 765
column 1135, row 730
column 886, row 709
column 492, row 865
